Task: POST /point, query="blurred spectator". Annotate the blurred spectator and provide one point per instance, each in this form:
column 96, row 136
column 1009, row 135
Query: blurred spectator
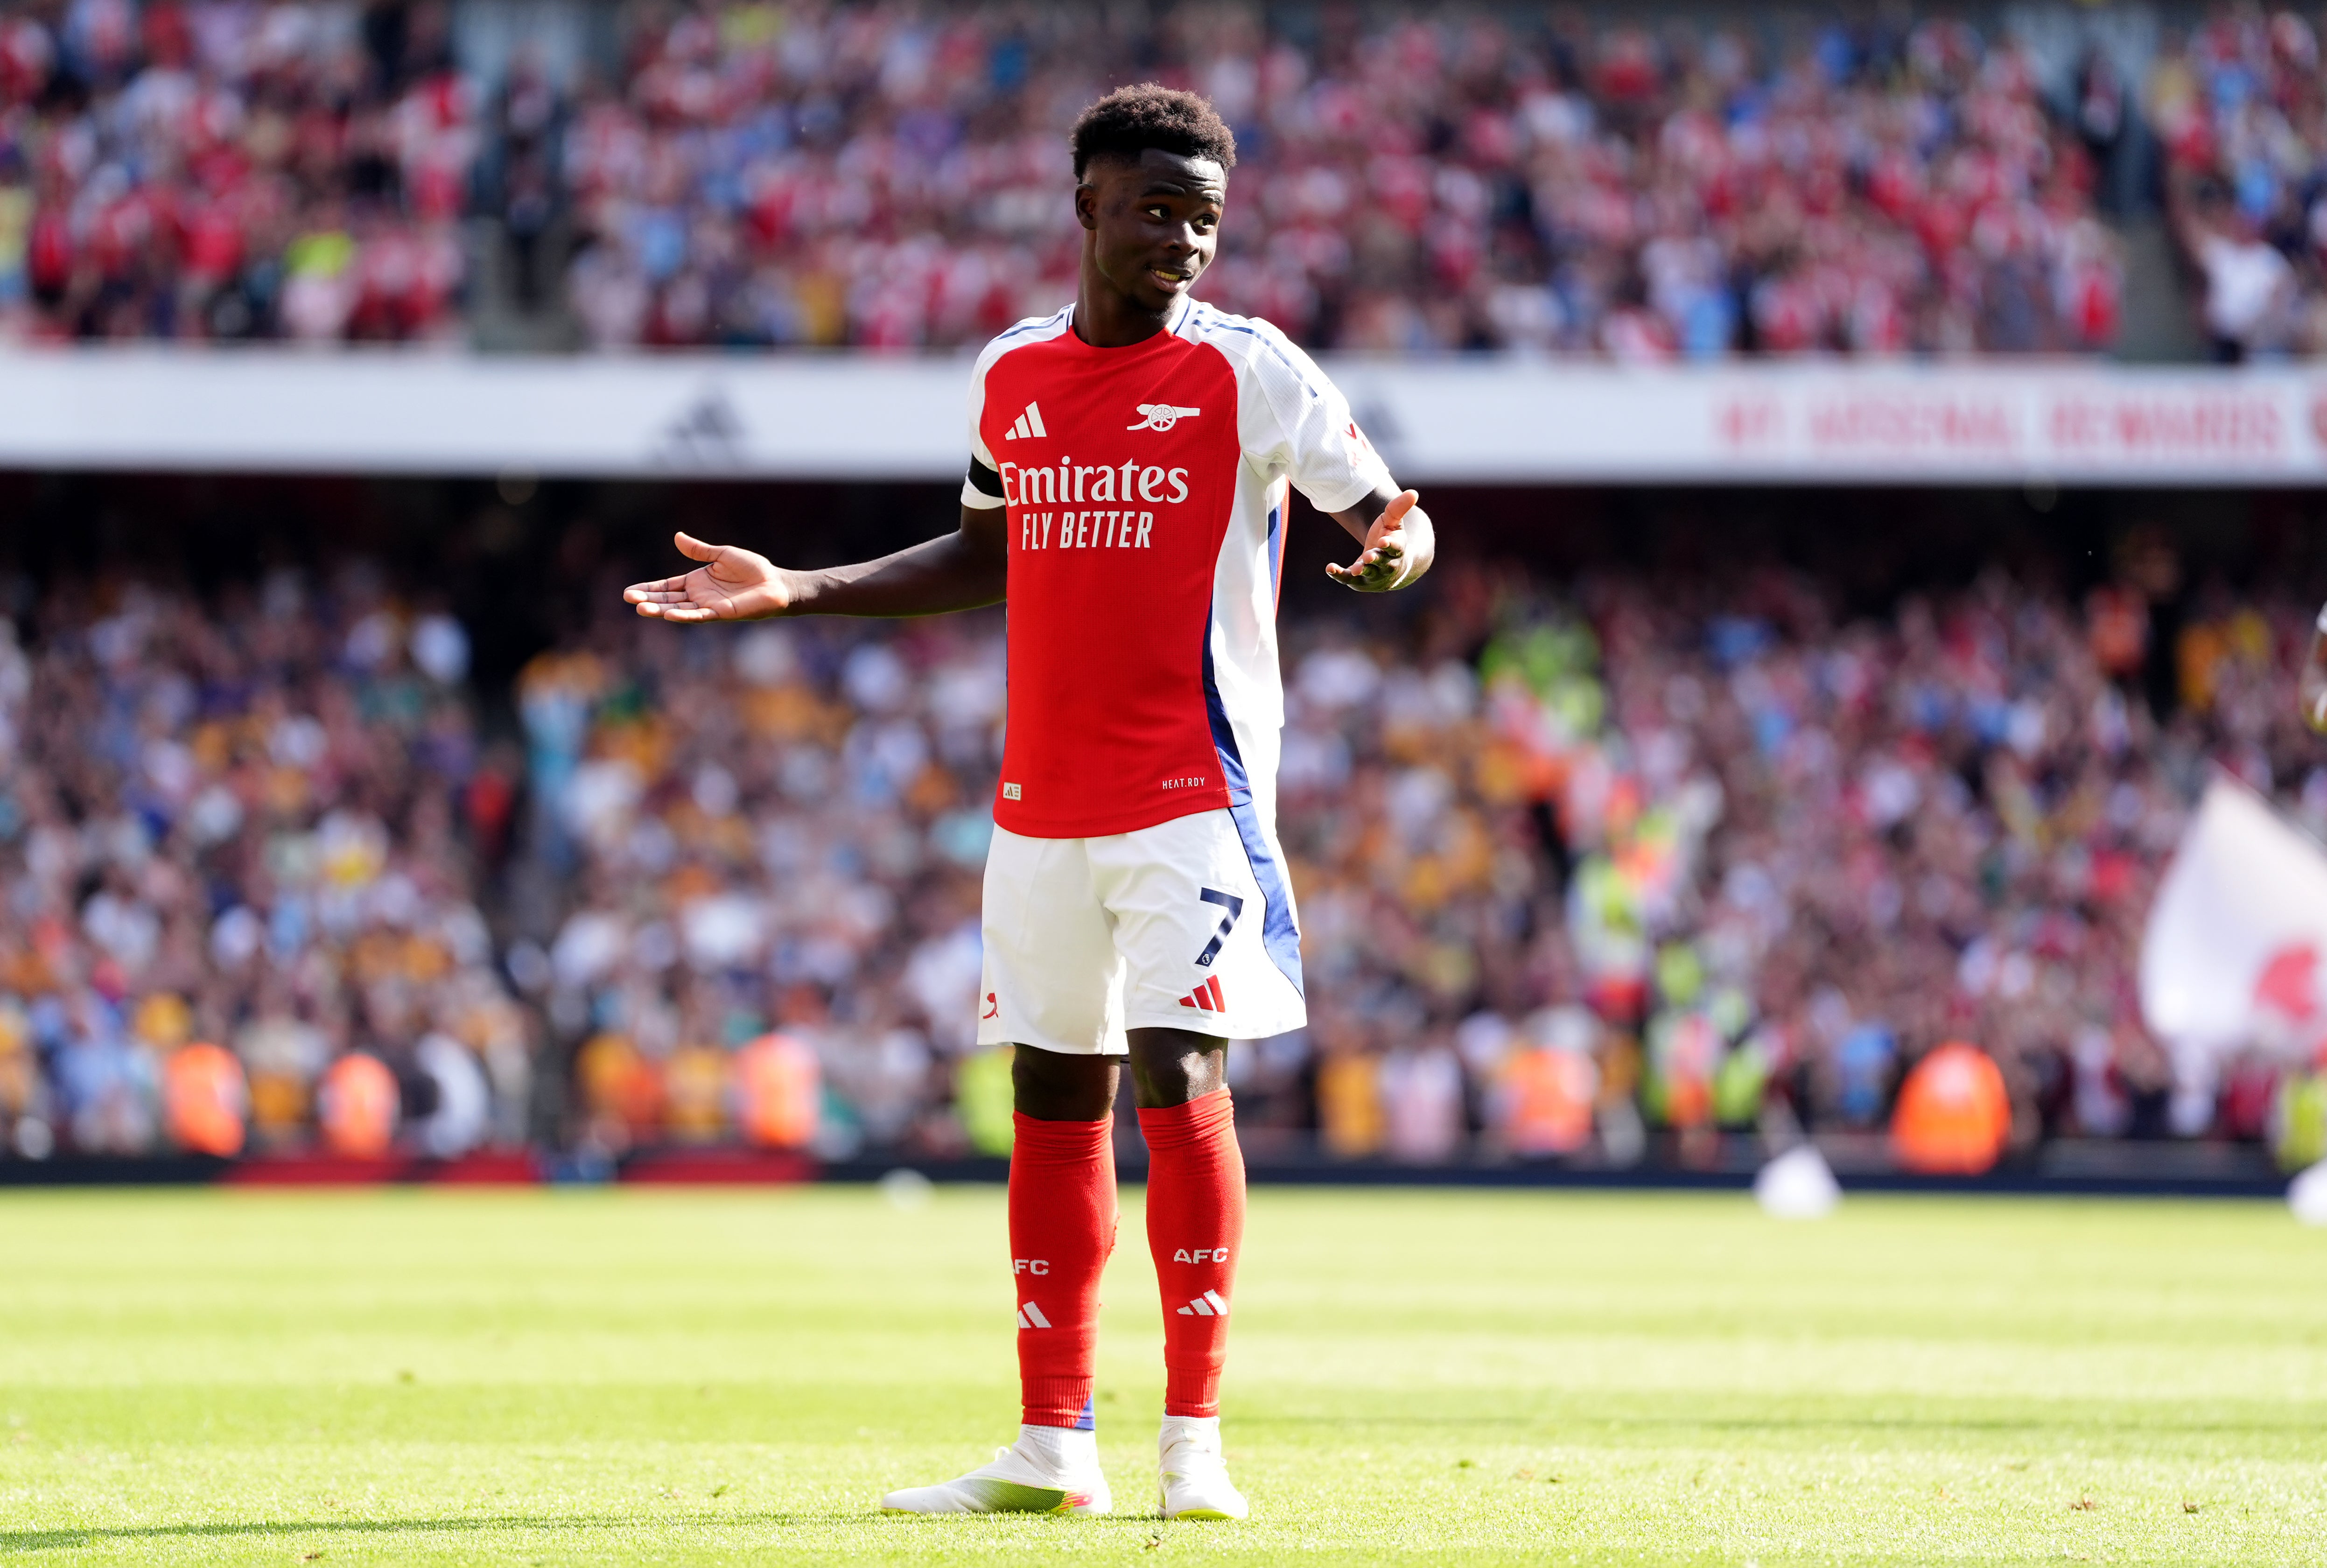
column 517, row 175
column 2249, row 292
column 2236, row 106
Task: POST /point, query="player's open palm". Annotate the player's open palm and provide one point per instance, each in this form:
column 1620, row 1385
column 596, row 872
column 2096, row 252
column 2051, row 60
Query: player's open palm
column 732, row 584
column 1388, row 558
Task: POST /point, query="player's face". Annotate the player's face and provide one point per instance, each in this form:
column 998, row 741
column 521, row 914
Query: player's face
column 1154, row 223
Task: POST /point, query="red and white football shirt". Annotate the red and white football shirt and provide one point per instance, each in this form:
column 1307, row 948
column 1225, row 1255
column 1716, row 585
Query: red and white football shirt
column 1146, row 491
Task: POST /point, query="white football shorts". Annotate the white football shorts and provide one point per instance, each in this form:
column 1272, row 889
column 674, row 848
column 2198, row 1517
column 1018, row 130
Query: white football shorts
column 1188, row 925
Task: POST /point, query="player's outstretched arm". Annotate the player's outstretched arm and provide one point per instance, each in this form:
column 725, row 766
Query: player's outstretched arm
column 1399, row 542
column 2315, row 679
column 958, row 571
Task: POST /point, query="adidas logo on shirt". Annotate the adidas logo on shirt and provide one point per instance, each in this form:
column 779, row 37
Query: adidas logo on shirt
column 1029, row 423
column 1030, row 1316
column 1207, row 996
column 1208, row 1305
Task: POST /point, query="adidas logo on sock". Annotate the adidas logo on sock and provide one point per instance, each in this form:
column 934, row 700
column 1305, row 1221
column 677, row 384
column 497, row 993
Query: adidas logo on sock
column 1030, row 1316
column 1029, row 423
column 1206, row 996
column 1208, row 1305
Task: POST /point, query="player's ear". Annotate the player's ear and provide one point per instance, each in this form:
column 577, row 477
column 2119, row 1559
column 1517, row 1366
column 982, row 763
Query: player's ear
column 1086, row 204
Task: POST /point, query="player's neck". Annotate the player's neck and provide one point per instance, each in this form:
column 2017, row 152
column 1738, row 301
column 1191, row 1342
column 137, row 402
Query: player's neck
column 1107, row 318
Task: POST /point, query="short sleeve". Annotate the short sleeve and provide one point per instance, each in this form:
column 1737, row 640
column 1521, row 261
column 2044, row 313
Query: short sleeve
column 981, row 486
column 1294, row 422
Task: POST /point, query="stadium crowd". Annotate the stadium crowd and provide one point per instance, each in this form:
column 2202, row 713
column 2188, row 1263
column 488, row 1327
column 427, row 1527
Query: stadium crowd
column 2240, row 108
column 1577, row 872
column 228, row 171
column 251, row 823
column 889, row 177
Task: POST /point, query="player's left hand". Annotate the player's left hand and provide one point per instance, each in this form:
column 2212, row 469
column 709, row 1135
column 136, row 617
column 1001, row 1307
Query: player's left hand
column 1397, row 549
column 2313, row 684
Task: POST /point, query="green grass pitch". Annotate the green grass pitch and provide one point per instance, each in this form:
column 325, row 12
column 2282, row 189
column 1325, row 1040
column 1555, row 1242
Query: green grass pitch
column 734, row 1376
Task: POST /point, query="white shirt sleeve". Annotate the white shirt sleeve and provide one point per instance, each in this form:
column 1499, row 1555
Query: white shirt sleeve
column 981, row 486
column 1295, row 423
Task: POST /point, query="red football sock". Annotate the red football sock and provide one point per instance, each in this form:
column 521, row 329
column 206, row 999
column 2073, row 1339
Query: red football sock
column 1061, row 1231
column 1195, row 1227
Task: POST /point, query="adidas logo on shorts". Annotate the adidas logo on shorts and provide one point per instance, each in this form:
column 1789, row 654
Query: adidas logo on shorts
column 1208, row 1305
column 1206, row 996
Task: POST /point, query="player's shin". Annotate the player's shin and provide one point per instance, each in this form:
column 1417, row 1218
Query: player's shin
column 1195, row 1227
column 1062, row 1221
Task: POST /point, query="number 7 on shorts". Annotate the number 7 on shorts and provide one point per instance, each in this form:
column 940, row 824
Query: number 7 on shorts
column 1235, row 907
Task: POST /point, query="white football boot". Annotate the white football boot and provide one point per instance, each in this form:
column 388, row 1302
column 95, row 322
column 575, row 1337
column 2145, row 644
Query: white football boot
column 1190, row 1475
column 1049, row 1470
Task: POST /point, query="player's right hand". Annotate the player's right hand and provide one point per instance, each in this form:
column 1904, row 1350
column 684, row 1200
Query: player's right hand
column 731, row 584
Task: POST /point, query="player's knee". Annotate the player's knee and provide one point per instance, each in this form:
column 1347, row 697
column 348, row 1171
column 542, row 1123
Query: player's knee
column 1052, row 1087
column 1170, row 1067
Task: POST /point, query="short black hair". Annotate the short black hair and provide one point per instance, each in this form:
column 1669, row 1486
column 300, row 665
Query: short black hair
column 1129, row 120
